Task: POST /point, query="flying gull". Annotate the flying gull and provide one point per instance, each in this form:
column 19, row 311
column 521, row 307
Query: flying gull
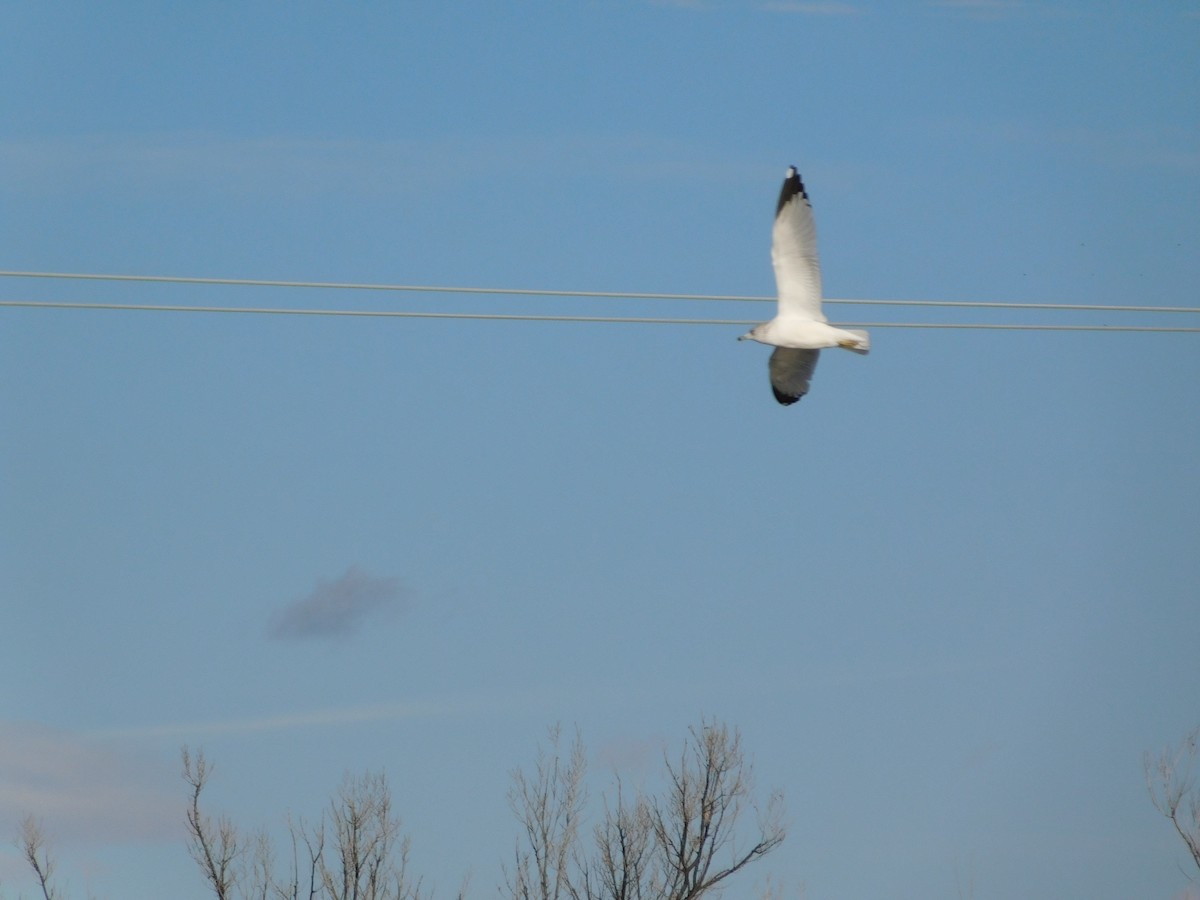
column 799, row 330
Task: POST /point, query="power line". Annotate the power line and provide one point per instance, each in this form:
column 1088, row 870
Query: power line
column 629, row 320
column 609, row 295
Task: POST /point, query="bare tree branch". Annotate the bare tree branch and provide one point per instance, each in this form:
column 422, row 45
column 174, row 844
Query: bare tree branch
column 624, row 851
column 355, row 852
column 33, row 847
column 372, row 856
column 1169, row 779
column 678, row 846
column 314, row 845
column 262, row 867
column 694, row 823
column 216, row 847
column 548, row 808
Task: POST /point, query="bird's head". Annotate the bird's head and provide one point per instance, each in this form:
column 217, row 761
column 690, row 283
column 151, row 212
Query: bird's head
column 753, row 334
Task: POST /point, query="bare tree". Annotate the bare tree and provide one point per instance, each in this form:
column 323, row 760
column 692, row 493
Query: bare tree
column 680, row 845
column 355, row 852
column 315, row 847
column 1173, row 790
column 216, row 847
column 693, row 824
column 371, row 854
column 623, row 865
column 33, row 847
column 548, row 807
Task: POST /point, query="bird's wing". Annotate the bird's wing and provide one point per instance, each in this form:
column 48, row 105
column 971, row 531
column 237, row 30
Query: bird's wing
column 791, row 371
column 794, row 251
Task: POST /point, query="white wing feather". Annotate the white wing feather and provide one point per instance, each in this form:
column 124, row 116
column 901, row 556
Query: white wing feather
column 794, row 253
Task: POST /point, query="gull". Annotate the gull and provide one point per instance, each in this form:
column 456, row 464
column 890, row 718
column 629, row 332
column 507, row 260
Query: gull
column 799, row 330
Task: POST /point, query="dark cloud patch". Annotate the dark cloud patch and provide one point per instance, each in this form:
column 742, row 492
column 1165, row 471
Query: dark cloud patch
column 337, row 608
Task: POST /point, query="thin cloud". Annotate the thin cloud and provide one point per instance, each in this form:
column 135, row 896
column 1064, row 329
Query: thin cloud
column 1123, row 148
column 812, row 9
column 988, row 10
column 523, row 701
column 1006, row 10
column 337, row 608
column 83, row 789
column 979, row 5
column 317, row 718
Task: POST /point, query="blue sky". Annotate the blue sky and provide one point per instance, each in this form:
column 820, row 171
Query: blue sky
column 949, row 598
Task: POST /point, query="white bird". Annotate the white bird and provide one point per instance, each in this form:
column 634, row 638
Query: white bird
column 799, row 330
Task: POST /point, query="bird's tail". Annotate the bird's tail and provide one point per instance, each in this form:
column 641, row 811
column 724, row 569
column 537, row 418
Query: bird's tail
column 864, row 342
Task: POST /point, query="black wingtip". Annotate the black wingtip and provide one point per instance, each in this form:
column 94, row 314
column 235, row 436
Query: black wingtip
column 792, row 187
column 785, row 399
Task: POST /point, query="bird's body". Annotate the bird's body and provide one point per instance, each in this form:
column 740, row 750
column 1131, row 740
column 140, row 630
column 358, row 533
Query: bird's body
column 799, row 330
column 799, row 333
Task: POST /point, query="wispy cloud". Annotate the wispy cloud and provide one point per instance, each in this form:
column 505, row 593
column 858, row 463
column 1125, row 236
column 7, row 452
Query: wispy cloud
column 1007, row 10
column 524, row 701
column 979, row 5
column 84, row 789
column 1167, row 148
column 318, row 718
column 812, row 9
column 337, row 608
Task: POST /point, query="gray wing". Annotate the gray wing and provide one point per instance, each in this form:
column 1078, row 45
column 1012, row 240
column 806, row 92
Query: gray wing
column 794, row 252
column 791, row 371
